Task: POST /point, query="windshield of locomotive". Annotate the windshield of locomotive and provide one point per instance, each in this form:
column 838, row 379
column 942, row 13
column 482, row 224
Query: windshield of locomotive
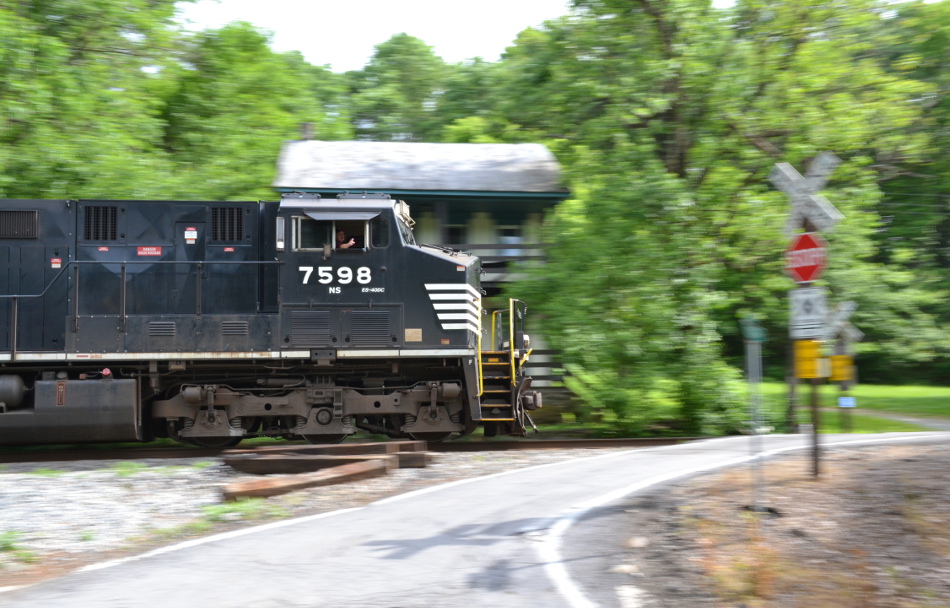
column 406, row 231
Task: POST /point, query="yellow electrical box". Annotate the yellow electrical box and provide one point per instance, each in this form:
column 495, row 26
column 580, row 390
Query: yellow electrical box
column 808, row 361
column 842, row 368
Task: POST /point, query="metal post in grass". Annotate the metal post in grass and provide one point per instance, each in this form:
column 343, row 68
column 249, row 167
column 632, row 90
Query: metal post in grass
column 754, row 335
column 842, row 370
column 815, row 444
column 809, row 366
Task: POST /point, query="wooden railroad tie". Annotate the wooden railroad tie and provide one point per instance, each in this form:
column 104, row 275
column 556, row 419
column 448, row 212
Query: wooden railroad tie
column 313, row 466
column 286, row 464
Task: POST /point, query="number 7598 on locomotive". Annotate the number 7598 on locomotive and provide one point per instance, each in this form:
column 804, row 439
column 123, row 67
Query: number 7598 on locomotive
column 210, row 322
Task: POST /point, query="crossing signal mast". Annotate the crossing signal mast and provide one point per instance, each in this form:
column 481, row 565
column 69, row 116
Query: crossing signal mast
column 810, row 322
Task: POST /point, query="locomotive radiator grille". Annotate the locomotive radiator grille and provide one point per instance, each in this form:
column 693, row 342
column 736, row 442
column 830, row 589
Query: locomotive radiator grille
column 100, row 223
column 234, row 328
column 227, row 224
column 161, row 328
column 309, row 328
column 18, row 224
column 370, row 328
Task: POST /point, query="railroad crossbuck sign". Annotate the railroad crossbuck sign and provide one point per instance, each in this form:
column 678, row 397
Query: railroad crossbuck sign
column 806, row 257
column 839, row 326
column 807, row 206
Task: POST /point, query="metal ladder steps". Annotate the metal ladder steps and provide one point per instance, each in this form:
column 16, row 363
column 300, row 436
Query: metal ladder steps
column 497, row 416
column 497, row 390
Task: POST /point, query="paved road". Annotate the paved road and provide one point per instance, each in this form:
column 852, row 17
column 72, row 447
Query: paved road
column 494, row 541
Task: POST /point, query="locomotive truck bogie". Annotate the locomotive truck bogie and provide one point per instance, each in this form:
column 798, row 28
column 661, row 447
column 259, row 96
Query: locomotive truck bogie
column 312, row 411
column 209, row 322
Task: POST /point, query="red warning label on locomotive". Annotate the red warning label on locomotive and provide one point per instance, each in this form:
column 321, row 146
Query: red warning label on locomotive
column 150, row 251
column 56, row 262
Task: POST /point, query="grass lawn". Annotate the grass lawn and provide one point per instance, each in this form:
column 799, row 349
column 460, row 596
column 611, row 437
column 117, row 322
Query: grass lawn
column 919, row 401
column 836, row 422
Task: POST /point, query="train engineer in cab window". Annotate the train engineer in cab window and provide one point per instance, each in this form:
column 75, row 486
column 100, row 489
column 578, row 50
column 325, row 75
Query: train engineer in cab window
column 342, row 242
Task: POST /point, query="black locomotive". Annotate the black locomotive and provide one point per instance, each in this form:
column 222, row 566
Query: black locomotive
column 210, row 322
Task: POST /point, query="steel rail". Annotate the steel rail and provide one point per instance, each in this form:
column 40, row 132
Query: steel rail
column 54, row 454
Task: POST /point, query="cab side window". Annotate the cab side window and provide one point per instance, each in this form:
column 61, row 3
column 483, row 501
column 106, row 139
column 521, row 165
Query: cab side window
column 379, row 231
column 311, row 235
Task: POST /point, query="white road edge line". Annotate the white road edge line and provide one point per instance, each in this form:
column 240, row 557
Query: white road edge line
column 211, row 539
column 191, row 543
column 549, row 549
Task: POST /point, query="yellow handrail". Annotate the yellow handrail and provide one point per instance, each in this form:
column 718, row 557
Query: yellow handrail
column 511, row 338
column 478, row 358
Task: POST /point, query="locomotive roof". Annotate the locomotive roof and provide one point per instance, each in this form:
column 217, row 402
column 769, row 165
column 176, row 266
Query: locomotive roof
column 402, row 166
column 371, row 203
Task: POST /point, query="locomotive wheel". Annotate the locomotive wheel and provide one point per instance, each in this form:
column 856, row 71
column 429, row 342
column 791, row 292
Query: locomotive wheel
column 324, row 439
column 251, row 425
column 431, row 437
column 216, row 442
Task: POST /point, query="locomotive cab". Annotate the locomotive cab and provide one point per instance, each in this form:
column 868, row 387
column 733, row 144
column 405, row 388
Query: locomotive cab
column 354, row 297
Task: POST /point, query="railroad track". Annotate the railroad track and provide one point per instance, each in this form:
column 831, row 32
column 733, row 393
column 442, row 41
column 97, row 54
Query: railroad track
column 279, row 468
column 53, row 454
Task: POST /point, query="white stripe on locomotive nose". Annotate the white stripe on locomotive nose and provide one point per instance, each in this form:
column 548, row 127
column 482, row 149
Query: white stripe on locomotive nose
column 467, row 326
column 453, row 287
column 472, row 310
column 449, row 296
column 456, row 296
column 457, row 317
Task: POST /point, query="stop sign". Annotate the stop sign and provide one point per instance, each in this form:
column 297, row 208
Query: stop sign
column 806, row 257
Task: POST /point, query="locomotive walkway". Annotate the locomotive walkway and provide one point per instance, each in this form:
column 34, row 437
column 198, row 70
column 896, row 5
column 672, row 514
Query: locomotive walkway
column 530, row 537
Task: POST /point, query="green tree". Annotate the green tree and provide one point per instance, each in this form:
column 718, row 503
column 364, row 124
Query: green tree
column 76, row 116
column 394, row 97
column 635, row 93
column 817, row 80
column 230, row 104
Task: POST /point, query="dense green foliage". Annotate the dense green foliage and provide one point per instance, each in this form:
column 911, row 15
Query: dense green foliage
column 667, row 115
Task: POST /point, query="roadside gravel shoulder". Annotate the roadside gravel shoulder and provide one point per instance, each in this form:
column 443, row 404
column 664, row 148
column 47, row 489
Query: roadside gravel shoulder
column 872, row 531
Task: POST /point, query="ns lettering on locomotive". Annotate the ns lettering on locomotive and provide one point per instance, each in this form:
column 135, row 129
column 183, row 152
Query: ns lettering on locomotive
column 211, row 322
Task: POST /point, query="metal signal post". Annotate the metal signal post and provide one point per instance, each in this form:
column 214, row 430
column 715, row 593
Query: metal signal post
column 807, row 258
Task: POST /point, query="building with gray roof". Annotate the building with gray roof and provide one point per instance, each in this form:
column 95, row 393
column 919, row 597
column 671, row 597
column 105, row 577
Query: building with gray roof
column 474, row 196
